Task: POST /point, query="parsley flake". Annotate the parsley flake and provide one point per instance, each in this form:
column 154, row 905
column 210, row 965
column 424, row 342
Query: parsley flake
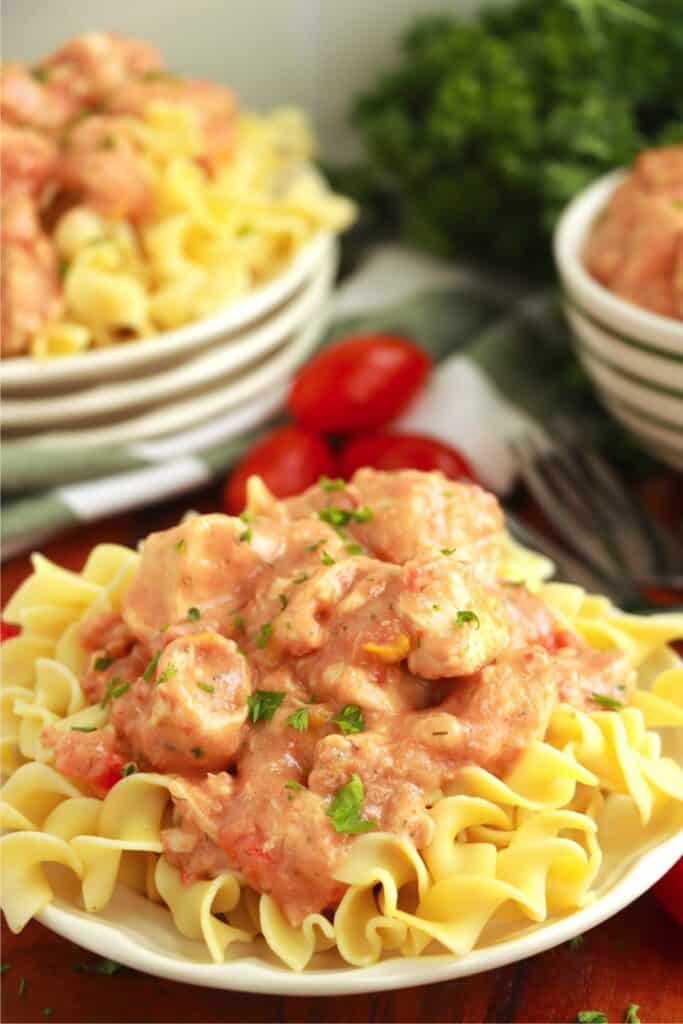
column 103, row 966
column 152, row 667
column 336, row 517
column 354, row 549
column 293, row 788
column 103, row 663
column 298, row 720
column 327, row 484
column 197, row 751
column 246, row 516
column 122, row 687
column 48, row 1011
column 463, row 617
column 206, row 687
column 84, row 728
column 609, row 703
column 180, row 546
column 238, row 622
column 263, row 704
column 40, row 74
column 193, row 614
column 128, row 769
column 350, row 719
column 313, row 547
column 21, row 988
column 576, row 943
column 327, row 559
column 263, row 635
column 631, row 1014
column 282, row 598
column 447, row 551
column 4, row 967
column 246, row 536
column 167, row 674
column 591, row 1017
column 344, row 810
column 301, row 578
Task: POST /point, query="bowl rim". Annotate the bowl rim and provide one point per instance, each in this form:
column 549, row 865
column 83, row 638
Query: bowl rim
column 609, row 310
column 232, row 319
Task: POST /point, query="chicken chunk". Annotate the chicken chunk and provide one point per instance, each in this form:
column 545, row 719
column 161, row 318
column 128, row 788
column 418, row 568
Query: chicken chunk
column 188, row 715
column 27, row 160
column 28, row 98
column 94, row 66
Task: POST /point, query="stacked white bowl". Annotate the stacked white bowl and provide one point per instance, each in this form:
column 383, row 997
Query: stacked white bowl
column 232, row 368
column 633, row 357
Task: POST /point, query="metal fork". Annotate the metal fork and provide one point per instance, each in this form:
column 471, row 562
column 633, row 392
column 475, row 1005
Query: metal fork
column 617, row 547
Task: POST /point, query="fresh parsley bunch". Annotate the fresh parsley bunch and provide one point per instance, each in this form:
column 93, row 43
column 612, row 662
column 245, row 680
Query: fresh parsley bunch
column 485, row 130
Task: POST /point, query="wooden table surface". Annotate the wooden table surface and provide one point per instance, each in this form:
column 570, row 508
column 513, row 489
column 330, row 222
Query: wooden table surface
column 636, row 957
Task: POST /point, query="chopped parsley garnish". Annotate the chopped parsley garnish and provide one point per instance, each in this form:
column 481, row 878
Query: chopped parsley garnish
column 354, row 549
column 84, row 728
column 293, row 788
column 21, row 988
column 344, row 810
column 463, row 617
column 436, row 607
column 298, row 720
column 313, row 547
column 103, row 966
column 340, row 516
column 246, row 517
column 263, row 635
column 167, row 674
column 197, row 751
column 591, row 1017
column 609, row 703
column 108, row 142
column 246, row 536
column 327, row 484
column 193, row 614
column 301, row 578
column 263, row 704
column 152, row 667
column 180, row 546
column 4, row 967
column 128, row 769
column 40, row 74
column 119, row 687
column 327, row 559
column 576, row 942
column 447, row 551
column 206, row 687
column 350, row 719
column 237, row 622
column 631, row 1014
column 282, row 598
column 103, row 663
column 48, row 1011
column 63, row 269
column 362, row 514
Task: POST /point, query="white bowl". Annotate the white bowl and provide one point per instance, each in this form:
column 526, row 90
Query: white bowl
column 120, row 361
column 633, row 357
column 221, row 365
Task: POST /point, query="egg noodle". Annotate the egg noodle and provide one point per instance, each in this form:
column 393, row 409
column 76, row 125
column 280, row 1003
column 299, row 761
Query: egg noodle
column 210, row 238
column 516, row 849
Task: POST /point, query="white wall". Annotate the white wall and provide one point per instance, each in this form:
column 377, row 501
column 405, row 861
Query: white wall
column 317, row 53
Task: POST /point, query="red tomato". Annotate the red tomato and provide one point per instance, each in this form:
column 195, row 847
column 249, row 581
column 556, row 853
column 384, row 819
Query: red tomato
column 8, row 630
column 669, row 892
column 289, row 460
column 359, row 383
column 404, row 451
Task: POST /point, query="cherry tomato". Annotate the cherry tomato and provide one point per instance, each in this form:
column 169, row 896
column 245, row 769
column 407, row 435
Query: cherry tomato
column 669, row 892
column 359, row 383
column 289, row 460
column 8, row 630
column 394, row 450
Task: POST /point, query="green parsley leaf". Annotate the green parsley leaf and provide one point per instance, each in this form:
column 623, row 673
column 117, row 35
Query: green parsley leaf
column 362, row 514
column 283, row 601
column 21, row 988
column 263, row 704
column 246, row 517
column 103, row 966
column 167, row 674
column 197, row 751
column 180, row 546
column 301, row 578
column 344, row 810
column 4, row 967
column 447, row 551
column 152, row 667
column 84, row 728
column 354, row 549
column 631, row 1014
column 193, row 614
column 591, row 1017
column 340, row 516
column 263, row 635
column 40, row 74
column 436, row 607
column 238, row 622
column 246, row 536
column 128, row 769
column 298, row 720
column 206, row 687
column 327, row 559
column 609, row 703
column 350, row 719
column 576, row 943
column 294, row 787
column 327, row 484
column 48, row 1011
column 463, row 617
column 121, row 688
column 103, row 663
column 313, row 547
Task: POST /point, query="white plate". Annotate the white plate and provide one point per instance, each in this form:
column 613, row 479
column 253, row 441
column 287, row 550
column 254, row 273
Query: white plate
column 119, row 360
column 140, row 934
column 260, row 383
column 213, row 364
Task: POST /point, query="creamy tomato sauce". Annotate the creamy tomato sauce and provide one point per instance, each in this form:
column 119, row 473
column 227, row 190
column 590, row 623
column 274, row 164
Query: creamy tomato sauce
column 320, row 667
column 635, row 248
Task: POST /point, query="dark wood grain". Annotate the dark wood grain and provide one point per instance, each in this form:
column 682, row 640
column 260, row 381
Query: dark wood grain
column 637, row 956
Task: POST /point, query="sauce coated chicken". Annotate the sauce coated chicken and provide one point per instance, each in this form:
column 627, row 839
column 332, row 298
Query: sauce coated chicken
column 353, row 641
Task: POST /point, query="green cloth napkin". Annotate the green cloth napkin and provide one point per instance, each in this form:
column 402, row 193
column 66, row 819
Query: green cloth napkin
column 504, row 365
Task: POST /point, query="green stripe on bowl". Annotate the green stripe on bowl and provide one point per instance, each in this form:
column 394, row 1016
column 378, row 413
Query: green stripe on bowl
column 628, row 407
column 644, row 382
column 641, row 425
column 642, row 346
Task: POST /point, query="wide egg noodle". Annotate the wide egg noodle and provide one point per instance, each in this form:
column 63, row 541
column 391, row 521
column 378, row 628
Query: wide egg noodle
column 504, row 850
